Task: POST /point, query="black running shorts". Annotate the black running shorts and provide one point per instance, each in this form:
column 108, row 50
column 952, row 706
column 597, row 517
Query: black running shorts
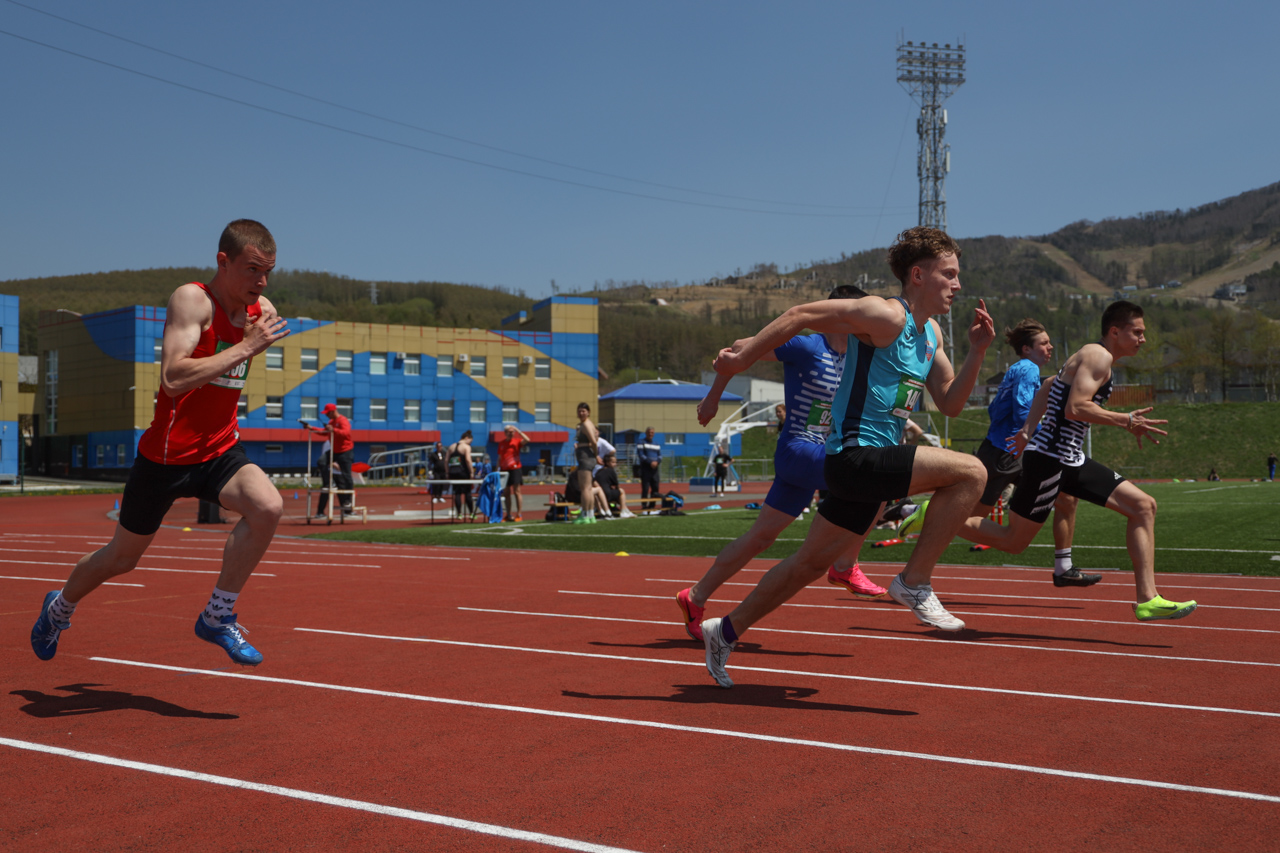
column 515, row 476
column 1002, row 467
column 859, row 479
column 1043, row 476
column 152, row 488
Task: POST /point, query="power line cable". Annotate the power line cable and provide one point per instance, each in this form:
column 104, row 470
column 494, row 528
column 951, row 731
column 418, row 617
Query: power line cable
column 428, row 130
column 420, row 149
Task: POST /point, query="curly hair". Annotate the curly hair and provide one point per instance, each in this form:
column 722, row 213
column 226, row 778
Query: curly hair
column 917, row 244
column 1023, row 334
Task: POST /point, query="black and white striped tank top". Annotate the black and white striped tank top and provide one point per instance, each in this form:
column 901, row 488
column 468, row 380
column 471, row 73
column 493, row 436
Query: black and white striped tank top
column 1061, row 438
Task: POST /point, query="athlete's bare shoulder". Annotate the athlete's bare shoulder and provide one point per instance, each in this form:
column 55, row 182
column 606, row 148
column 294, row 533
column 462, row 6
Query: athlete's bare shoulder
column 1094, row 359
column 269, row 311
column 880, row 320
column 190, row 304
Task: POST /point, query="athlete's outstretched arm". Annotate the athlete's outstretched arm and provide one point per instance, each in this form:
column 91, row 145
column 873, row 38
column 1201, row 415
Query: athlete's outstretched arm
column 189, row 312
column 877, row 319
column 1093, row 370
column 710, row 404
column 1018, row 441
column 951, row 391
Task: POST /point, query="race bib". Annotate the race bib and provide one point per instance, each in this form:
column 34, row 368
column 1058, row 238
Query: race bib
column 819, row 417
column 909, row 391
column 233, row 378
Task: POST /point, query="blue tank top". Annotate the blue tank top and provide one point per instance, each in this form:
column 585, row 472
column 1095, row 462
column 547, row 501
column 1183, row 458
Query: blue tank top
column 881, row 387
column 1012, row 402
column 811, row 374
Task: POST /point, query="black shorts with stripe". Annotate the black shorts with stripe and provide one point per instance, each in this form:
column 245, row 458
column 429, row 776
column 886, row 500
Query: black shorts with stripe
column 1043, row 476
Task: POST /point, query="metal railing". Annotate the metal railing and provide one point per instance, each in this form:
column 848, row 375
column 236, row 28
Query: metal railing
column 409, row 465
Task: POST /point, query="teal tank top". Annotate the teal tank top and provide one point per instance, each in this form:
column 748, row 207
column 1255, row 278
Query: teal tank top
column 881, row 387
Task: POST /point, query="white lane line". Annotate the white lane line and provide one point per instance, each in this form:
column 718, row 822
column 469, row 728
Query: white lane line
column 1162, row 624
column 196, row 571
column 275, row 553
column 840, row 676
column 1055, row 598
column 866, row 750
column 63, row 580
column 322, row 799
column 210, row 559
column 1038, row 618
column 970, row 644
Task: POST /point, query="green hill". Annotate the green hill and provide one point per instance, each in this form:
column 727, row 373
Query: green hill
column 1197, row 342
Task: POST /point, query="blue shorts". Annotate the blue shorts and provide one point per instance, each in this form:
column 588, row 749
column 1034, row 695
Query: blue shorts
column 797, row 474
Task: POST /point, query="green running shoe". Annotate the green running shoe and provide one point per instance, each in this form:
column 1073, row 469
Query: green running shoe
column 913, row 521
column 1160, row 608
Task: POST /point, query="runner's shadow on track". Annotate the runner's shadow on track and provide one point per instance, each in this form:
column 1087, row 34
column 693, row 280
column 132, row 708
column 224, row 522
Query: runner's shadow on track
column 84, row 700
column 755, row 695
column 971, row 635
column 741, row 647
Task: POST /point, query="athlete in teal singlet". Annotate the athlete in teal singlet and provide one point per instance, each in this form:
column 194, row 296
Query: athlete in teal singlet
column 893, row 357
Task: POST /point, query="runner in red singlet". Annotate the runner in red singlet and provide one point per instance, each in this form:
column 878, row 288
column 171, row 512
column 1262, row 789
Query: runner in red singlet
column 192, row 448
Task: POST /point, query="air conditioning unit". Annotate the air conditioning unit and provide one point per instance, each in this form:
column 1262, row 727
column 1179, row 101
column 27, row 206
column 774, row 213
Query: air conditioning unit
column 528, row 359
column 462, row 356
column 400, row 356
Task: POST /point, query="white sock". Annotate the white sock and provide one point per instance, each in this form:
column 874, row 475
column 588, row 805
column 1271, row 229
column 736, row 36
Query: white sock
column 1062, row 561
column 221, row 603
column 60, row 611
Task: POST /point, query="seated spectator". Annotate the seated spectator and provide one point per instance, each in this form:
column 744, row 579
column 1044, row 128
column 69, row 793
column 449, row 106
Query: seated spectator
column 599, row 503
column 607, row 480
column 1213, row 475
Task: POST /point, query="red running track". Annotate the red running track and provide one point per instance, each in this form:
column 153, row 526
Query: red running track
column 467, row 699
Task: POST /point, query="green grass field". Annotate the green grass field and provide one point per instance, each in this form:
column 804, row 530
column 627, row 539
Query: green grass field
column 1201, row 527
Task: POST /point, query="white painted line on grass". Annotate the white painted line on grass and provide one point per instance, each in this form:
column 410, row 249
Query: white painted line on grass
column 63, row 580
column 312, row 797
column 865, row 750
column 969, row 644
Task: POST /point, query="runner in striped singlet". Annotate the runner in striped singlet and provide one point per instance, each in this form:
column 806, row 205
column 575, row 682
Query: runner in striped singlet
column 1054, row 459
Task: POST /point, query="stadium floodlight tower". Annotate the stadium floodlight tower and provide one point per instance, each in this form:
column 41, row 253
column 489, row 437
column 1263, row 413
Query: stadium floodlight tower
column 930, row 74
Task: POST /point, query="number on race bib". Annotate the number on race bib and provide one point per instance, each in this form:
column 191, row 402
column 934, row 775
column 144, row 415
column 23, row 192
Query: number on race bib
column 909, row 391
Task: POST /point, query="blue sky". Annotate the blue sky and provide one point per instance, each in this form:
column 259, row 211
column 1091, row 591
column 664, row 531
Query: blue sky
column 779, row 130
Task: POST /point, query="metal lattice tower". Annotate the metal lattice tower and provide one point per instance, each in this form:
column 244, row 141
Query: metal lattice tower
column 930, row 74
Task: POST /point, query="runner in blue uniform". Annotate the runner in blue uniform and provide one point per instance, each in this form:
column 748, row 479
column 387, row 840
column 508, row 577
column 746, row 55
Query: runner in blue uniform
column 1054, row 459
column 1008, row 412
column 811, row 366
column 893, row 356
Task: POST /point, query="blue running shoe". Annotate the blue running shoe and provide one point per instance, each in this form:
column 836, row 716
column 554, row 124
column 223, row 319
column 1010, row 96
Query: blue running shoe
column 44, row 634
column 228, row 636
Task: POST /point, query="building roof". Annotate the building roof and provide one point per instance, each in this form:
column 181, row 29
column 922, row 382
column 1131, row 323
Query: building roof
column 665, row 390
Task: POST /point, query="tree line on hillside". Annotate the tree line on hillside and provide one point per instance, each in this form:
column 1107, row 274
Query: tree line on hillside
column 1195, row 352
column 1184, row 243
column 296, row 293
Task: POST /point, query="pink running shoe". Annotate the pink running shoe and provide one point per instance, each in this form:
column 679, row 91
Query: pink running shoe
column 857, row 583
column 692, row 614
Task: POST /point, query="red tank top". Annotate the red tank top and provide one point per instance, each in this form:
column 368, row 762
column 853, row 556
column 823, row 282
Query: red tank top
column 201, row 424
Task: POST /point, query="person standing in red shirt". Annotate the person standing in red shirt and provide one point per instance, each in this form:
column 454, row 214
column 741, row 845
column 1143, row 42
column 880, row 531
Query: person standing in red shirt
column 509, row 461
column 342, row 451
column 192, row 448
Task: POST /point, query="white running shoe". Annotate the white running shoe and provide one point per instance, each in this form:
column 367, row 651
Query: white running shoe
column 717, row 652
column 923, row 603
